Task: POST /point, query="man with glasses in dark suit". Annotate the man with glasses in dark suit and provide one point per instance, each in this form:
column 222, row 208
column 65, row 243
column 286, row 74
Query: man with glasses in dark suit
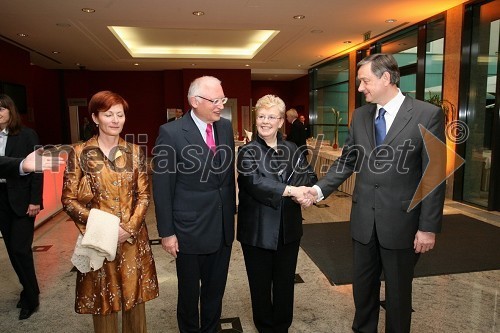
column 195, row 202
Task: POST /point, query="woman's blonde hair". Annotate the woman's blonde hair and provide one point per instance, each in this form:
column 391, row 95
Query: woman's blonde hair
column 268, row 101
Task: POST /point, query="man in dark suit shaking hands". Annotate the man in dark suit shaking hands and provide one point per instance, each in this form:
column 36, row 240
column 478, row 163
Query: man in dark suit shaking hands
column 195, row 201
column 386, row 150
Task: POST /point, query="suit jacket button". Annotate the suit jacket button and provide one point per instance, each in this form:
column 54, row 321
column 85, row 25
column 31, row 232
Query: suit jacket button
column 376, row 186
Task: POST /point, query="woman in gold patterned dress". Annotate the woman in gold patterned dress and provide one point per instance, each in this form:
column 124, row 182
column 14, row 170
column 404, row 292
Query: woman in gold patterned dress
column 117, row 173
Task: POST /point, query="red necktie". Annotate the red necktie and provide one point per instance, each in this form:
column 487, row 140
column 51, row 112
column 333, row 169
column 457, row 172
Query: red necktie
column 210, row 138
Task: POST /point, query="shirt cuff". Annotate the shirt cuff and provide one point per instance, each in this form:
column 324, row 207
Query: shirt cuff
column 21, row 171
column 320, row 193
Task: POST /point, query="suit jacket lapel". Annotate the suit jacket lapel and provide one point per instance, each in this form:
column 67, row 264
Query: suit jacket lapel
column 11, row 143
column 219, row 135
column 370, row 125
column 192, row 133
column 402, row 118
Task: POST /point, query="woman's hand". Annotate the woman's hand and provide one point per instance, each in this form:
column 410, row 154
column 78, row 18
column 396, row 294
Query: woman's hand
column 300, row 195
column 123, row 235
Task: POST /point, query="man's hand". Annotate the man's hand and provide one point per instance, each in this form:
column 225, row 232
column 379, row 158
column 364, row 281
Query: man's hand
column 313, row 193
column 308, row 196
column 171, row 245
column 301, row 195
column 35, row 161
column 424, row 241
column 33, row 210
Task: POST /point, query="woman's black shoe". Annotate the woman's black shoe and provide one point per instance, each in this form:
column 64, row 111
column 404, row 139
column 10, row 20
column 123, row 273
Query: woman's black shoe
column 26, row 313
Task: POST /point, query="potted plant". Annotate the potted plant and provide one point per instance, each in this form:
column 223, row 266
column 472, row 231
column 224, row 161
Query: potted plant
column 337, row 119
column 445, row 105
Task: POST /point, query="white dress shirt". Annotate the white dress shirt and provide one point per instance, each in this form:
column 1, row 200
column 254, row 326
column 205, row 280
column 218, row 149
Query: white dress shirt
column 4, row 134
column 202, row 126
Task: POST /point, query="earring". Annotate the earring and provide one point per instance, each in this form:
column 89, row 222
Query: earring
column 96, row 124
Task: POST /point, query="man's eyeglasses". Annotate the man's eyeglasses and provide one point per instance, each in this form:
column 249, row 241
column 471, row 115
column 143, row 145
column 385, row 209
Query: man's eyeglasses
column 270, row 118
column 215, row 101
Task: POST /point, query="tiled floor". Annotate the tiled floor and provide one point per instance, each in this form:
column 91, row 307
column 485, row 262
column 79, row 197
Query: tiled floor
column 449, row 303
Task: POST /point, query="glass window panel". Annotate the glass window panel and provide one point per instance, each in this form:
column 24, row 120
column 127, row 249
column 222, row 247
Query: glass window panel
column 336, row 97
column 434, row 57
column 403, row 47
column 407, row 84
column 331, row 73
column 481, row 105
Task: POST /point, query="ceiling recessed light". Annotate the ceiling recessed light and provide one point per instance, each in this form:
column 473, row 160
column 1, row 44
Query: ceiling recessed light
column 299, row 65
column 88, row 10
column 77, row 64
column 22, row 34
column 193, row 64
column 247, row 65
column 347, row 42
column 390, row 20
column 316, row 31
column 136, row 64
column 299, row 17
column 55, row 52
column 198, row 13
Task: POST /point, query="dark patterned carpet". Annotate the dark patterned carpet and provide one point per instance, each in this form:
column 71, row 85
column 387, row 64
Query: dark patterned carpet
column 464, row 245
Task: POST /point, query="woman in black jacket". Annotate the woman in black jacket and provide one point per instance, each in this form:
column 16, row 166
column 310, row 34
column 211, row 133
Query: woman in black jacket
column 271, row 172
column 20, row 202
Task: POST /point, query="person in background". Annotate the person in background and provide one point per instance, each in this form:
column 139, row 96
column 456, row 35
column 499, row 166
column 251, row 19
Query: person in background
column 297, row 131
column 20, row 202
column 386, row 149
column 88, row 129
column 118, row 177
column 306, row 127
column 195, row 203
column 270, row 171
column 178, row 115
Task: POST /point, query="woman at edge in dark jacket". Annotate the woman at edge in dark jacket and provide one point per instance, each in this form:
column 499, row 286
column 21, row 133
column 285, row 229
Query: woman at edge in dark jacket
column 270, row 173
column 20, row 203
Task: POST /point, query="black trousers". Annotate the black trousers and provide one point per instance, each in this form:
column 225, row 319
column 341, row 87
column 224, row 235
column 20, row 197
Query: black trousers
column 17, row 232
column 271, row 276
column 398, row 266
column 201, row 279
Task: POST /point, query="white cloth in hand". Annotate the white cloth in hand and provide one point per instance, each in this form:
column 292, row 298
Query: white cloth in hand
column 100, row 241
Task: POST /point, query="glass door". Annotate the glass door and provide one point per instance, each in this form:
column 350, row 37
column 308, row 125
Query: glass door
column 481, row 108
